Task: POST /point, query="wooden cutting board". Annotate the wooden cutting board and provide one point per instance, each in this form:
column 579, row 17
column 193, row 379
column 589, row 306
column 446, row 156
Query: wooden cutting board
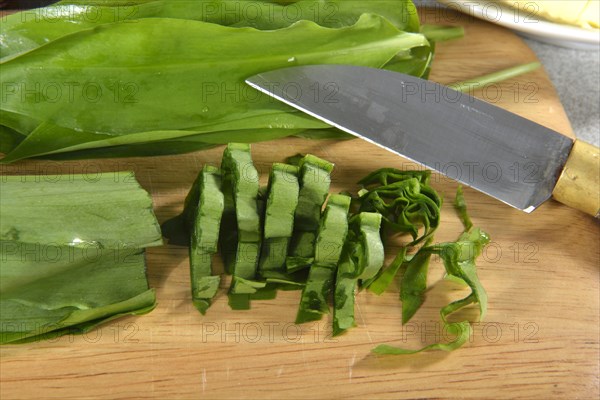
column 539, row 340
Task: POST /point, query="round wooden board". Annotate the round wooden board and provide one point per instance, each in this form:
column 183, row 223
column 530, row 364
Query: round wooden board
column 539, row 339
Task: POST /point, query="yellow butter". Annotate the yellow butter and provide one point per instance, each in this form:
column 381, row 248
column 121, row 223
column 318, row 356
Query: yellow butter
column 583, row 13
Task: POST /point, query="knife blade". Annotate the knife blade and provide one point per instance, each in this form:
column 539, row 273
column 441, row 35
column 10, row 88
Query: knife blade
column 508, row 157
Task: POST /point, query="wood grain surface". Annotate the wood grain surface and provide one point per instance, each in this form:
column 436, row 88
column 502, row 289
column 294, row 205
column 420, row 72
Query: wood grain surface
column 539, row 340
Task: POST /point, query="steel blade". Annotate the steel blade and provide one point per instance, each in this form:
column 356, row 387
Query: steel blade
column 481, row 145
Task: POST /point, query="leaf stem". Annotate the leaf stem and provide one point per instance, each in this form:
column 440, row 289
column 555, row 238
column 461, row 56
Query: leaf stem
column 499, row 76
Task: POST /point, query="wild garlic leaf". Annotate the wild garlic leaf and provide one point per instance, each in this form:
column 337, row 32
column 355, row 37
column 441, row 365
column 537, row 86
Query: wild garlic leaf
column 72, row 250
column 138, row 89
column 98, row 210
column 27, row 30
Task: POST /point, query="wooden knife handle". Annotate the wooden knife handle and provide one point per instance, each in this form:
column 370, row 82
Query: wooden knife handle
column 579, row 183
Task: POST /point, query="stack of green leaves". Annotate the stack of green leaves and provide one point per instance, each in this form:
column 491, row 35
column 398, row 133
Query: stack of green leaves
column 241, row 231
column 330, row 241
column 203, row 211
column 255, row 227
column 315, row 178
column 72, row 253
column 120, row 78
column 282, row 200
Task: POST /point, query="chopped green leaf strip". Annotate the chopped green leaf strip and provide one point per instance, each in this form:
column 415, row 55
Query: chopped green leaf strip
column 269, row 292
column 301, row 250
column 462, row 331
column 414, row 285
column 461, row 208
column 282, row 201
column 405, row 200
column 208, row 199
column 241, row 217
column 477, row 83
column 315, row 178
column 241, row 226
column 330, row 241
column 207, row 287
column 239, row 301
column 296, row 264
column 246, row 260
column 455, row 279
column 372, row 256
column 273, row 255
column 237, row 164
column 345, row 290
column 333, row 229
column 203, row 210
column 204, row 285
column 245, row 286
column 362, row 256
column 281, row 205
column 385, row 278
column 459, row 260
column 313, row 303
column 292, row 281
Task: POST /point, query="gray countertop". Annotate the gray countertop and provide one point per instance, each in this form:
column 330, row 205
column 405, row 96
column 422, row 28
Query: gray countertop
column 576, row 76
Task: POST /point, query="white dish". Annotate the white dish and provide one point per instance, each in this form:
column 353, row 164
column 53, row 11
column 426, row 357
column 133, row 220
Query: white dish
column 528, row 24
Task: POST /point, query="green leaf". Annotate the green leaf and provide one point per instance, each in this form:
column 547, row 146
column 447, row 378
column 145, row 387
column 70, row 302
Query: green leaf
column 439, row 33
column 94, row 83
column 9, row 139
column 27, row 30
column 57, row 139
column 83, row 210
column 88, row 269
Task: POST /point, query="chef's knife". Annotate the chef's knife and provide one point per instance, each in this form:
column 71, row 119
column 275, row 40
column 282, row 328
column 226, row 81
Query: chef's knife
column 481, row 145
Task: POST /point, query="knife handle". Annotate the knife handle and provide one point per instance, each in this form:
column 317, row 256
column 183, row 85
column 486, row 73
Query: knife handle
column 579, row 184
